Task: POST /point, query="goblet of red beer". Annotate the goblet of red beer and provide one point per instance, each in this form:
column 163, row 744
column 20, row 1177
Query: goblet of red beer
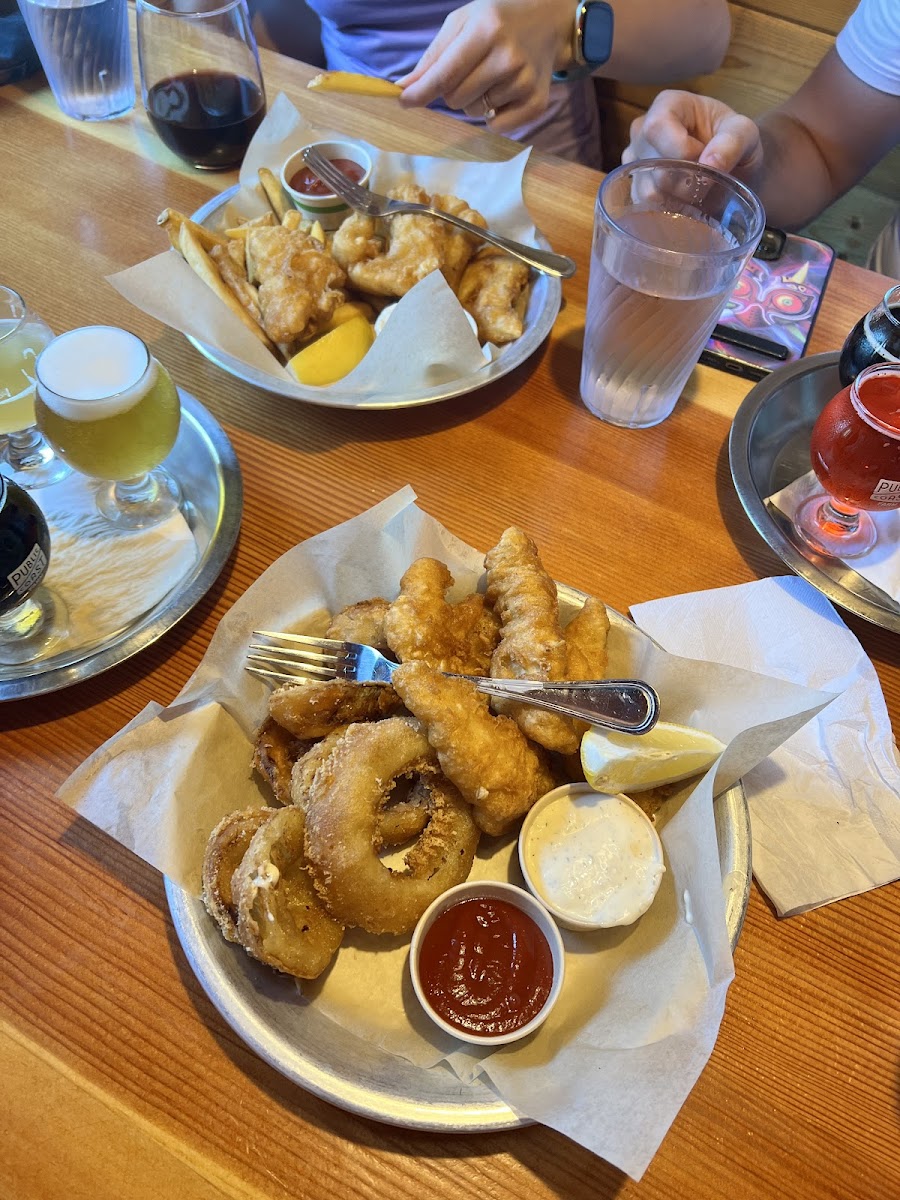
column 855, row 453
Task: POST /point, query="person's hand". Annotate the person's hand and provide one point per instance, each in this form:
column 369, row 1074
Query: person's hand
column 494, row 56
column 682, row 125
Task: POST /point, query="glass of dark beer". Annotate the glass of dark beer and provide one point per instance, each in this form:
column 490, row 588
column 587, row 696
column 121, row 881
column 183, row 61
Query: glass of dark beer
column 875, row 338
column 200, row 78
column 32, row 618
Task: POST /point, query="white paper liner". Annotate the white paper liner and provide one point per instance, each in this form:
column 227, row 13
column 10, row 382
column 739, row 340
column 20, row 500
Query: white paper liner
column 640, row 1012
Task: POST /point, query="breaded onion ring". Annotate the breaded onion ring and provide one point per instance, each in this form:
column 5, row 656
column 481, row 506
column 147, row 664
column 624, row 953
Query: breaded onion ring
column 312, row 710
column 361, row 622
column 398, row 822
column 280, row 919
column 274, row 755
column 348, row 793
column 225, row 848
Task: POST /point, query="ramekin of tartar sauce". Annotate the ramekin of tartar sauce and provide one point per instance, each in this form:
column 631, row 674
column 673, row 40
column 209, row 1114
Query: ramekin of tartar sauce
column 594, row 860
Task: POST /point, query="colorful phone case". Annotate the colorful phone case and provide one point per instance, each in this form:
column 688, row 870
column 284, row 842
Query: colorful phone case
column 776, row 300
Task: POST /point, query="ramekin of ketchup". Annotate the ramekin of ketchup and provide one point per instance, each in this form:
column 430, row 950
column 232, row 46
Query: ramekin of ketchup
column 307, row 192
column 487, row 962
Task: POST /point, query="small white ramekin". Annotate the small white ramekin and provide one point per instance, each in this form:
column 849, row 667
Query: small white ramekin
column 523, row 900
column 328, row 210
column 567, row 793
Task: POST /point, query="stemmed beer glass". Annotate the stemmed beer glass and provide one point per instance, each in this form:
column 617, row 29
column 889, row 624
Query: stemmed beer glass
column 855, row 453
column 112, row 412
column 875, row 338
column 29, row 459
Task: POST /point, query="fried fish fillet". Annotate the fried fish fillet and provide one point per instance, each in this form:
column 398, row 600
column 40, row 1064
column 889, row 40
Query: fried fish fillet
column 299, row 283
column 494, row 289
column 532, row 645
column 487, row 757
column 421, row 624
column 388, row 258
column 312, row 710
column 361, row 622
column 586, row 637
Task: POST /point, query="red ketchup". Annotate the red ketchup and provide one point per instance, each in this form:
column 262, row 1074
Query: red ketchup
column 308, row 182
column 485, row 967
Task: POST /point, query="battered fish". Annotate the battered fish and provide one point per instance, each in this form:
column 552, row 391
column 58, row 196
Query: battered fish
column 312, row 710
column 532, row 645
column 494, row 289
column 389, row 257
column 586, row 637
column 487, row 757
column 420, row 624
column 299, row 283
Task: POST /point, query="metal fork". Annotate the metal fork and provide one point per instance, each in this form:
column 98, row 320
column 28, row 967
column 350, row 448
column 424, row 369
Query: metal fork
column 627, row 705
column 374, row 205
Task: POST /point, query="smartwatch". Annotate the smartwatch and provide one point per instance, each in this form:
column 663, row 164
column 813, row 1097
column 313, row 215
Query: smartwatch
column 591, row 40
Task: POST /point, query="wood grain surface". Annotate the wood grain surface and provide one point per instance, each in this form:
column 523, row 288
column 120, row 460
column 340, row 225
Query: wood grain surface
column 118, row 1079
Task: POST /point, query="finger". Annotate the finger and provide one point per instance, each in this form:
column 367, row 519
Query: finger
column 734, row 144
column 664, row 135
column 447, row 70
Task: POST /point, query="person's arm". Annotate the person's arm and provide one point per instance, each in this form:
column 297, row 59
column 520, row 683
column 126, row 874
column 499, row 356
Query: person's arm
column 508, row 50
column 798, row 158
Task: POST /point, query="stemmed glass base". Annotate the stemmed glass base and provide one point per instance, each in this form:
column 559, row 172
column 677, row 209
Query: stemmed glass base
column 835, row 529
column 33, row 628
column 30, row 461
column 141, row 502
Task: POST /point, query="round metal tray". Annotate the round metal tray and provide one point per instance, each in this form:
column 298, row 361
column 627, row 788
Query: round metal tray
column 543, row 307
column 204, row 463
column 263, row 1008
column 768, row 448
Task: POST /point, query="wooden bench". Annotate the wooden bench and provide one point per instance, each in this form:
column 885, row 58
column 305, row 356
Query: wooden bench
column 775, row 44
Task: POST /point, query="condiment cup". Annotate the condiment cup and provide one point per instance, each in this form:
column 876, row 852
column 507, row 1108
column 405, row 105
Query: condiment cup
column 328, row 210
column 637, row 889
column 486, row 888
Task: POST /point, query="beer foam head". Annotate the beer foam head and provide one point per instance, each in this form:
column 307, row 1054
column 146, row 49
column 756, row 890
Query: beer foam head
column 93, row 373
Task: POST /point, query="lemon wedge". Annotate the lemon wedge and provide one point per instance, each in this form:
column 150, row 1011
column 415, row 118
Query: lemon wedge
column 335, row 354
column 621, row 762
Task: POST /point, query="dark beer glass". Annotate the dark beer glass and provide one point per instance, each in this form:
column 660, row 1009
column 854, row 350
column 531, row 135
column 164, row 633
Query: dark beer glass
column 875, row 338
column 32, row 618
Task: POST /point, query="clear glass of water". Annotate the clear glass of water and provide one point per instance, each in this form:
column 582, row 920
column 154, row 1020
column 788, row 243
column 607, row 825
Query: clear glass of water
column 670, row 239
column 85, row 51
column 111, row 411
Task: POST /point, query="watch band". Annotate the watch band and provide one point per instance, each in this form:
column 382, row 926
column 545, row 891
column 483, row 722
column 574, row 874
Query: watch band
column 590, row 15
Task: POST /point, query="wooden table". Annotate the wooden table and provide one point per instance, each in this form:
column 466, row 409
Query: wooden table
column 118, row 1078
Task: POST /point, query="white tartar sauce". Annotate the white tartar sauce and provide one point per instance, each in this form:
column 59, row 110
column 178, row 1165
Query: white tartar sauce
column 593, row 858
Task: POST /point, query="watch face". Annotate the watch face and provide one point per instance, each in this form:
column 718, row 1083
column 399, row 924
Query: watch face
column 596, row 43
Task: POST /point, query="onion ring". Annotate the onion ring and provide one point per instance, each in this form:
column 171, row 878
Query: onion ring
column 349, row 791
column 225, row 848
column 280, row 919
column 274, row 755
column 312, row 710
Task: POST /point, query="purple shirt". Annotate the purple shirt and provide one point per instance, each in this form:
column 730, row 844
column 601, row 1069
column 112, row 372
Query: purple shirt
column 389, row 39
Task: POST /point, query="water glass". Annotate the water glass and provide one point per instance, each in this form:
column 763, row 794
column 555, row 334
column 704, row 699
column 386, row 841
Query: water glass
column 670, row 239
column 201, row 80
column 85, row 51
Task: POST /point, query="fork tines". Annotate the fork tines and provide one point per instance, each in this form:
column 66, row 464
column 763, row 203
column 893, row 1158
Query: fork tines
column 302, row 658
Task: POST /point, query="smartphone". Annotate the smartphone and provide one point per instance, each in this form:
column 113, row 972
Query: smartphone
column 770, row 313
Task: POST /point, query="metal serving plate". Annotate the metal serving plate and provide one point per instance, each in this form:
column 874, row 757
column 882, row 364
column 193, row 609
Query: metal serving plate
column 204, row 463
column 543, row 307
column 262, row 1007
column 768, row 448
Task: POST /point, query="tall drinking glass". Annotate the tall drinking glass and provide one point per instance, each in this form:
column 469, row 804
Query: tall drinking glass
column 875, row 338
column 85, row 50
column 200, row 78
column 112, row 412
column 29, row 460
column 670, row 239
column 32, row 618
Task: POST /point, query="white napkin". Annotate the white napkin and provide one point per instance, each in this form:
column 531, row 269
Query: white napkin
column 825, row 806
column 107, row 578
column 881, row 565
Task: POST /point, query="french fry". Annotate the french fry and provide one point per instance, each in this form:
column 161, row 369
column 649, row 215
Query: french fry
column 356, row 85
column 200, row 262
column 242, row 230
column 292, row 220
column 172, row 221
column 274, row 193
column 318, row 232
